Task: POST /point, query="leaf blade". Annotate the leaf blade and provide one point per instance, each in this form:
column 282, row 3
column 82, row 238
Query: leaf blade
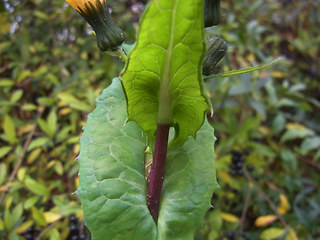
column 97, row 165
column 162, row 82
column 9, row 129
column 112, row 187
column 189, row 183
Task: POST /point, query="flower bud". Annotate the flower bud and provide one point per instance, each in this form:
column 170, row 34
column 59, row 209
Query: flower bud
column 109, row 35
column 216, row 49
column 211, row 12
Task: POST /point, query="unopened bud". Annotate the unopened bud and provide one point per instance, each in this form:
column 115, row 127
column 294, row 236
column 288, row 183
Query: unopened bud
column 216, row 49
column 109, row 35
column 211, row 12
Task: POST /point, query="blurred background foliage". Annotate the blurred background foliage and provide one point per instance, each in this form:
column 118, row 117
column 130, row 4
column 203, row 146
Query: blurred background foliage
column 267, row 122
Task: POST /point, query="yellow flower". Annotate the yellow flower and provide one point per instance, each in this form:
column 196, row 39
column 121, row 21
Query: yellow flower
column 80, row 5
column 109, row 35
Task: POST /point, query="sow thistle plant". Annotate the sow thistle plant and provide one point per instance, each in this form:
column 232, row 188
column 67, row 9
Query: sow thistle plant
column 159, row 102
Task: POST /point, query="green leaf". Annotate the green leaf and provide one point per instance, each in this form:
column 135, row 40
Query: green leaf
column 54, row 234
column 44, row 126
column 37, row 187
column 162, row 79
column 6, row 83
column 30, row 202
column 17, row 212
column 38, row 216
column 294, row 133
column 272, row 233
column 49, row 126
column 16, row 96
column 47, row 101
column 29, row 107
column 5, row 150
column 14, row 236
column 74, row 102
column 8, row 221
column 289, row 158
column 278, row 123
column 9, row 129
column 112, row 186
column 310, row 144
column 52, row 121
column 188, row 186
column 38, row 142
column 69, row 209
column 3, row 172
column 317, row 155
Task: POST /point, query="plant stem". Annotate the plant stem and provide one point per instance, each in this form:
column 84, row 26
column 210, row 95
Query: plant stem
column 156, row 176
column 23, row 153
column 245, row 210
column 268, row 200
column 122, row 55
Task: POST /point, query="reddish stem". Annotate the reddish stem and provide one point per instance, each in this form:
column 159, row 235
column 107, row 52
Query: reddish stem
column 156, row 175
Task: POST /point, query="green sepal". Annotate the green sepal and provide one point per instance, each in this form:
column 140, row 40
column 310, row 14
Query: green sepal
column 109, row 35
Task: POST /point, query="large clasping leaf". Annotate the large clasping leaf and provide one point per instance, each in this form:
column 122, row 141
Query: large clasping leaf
column 112, row 183
column 163, row 77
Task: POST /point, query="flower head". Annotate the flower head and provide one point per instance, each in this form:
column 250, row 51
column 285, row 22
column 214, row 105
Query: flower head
column 109, row 35
column 216, row 49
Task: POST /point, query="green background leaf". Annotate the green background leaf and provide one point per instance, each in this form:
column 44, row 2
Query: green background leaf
column 162, row 79
column 9, row 129
column 37, row 187
column 112, row 177
column 272, row 233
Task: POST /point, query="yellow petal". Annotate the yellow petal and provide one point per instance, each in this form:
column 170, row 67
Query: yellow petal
column 81, row 4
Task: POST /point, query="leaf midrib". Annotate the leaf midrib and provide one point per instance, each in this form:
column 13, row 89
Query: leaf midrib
column 164, row 111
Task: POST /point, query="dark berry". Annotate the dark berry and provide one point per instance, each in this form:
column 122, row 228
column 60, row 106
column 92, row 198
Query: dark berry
column 240, row 172
column 230, row 236
column 242, row 159
column 74, row 230
column 250, row 168
column 30, row 230
column 73, row 219
column 29, row 236
column 234, row 166
column 236, row 153
column 235, row 159
column 74, row 237
column 82, row 237
column 246, row 152
column 239, row 165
